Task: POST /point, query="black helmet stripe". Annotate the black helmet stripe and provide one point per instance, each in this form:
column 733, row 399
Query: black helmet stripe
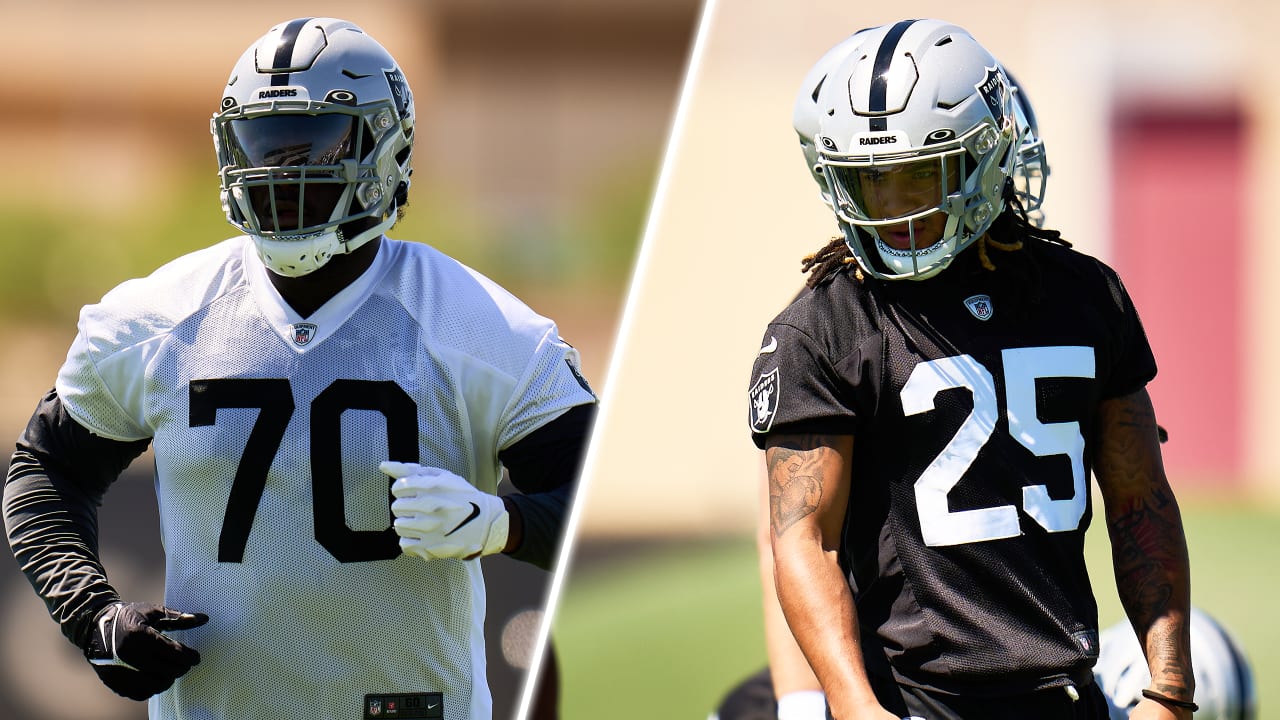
column 284, row 51
column 880, row 72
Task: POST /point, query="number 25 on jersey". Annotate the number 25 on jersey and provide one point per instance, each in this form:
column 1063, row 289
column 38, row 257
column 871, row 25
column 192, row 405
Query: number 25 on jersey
column 1022, row 367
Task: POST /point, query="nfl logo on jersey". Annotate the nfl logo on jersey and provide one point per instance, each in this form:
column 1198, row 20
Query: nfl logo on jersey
column 303, row 333
column 980, row 306
column 375, row 707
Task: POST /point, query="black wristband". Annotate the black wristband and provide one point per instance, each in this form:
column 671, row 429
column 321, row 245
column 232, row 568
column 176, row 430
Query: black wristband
column 1172, row 702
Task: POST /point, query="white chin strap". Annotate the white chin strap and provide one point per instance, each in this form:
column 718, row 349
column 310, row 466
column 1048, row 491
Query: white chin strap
column 298, row 255
column 930, row 260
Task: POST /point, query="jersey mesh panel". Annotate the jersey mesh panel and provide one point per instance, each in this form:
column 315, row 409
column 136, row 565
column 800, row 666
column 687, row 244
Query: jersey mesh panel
column 969, row 587
column 293, row 628
column 293, row 613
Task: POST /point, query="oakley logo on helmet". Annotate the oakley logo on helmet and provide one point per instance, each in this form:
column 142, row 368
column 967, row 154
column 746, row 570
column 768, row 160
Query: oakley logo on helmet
column 343, row 97
column 938, row 136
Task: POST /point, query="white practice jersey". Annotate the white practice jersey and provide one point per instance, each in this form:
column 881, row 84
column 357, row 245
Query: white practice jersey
column 268, row 430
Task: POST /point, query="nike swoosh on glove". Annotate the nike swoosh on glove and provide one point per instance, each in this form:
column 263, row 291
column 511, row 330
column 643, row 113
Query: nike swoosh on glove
column 440, row 515
column 130, row 652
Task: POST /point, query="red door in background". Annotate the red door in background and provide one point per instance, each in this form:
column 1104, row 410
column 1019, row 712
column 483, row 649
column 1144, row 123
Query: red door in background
column 1178, row 219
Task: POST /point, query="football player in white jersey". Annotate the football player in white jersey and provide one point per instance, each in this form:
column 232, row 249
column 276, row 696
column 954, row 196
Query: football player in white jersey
column 330, row 412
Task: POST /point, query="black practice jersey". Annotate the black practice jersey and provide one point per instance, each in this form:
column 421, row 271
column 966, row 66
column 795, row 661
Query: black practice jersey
column 972, row 400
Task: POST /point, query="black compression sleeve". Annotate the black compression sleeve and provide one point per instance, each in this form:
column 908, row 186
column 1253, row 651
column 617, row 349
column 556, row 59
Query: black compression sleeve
column 544, row 466
column 57, row 478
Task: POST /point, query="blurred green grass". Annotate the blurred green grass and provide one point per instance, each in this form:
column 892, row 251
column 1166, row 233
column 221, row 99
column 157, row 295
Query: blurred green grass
column 665, row 629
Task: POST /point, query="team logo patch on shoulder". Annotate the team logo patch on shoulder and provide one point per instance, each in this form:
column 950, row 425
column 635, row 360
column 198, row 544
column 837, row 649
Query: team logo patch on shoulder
column 764, row 401
column 303, row 333
column 980, row 306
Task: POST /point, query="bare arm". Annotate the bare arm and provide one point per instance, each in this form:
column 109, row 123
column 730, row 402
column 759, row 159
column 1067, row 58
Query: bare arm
column 1148, row 547
column 787, row 666
column 808, row 492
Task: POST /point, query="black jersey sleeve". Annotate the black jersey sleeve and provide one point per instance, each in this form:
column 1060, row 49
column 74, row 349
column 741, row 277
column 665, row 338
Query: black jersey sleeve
column 1133, row 364
column 544, row 466
column 796, row 386
column 57, row 477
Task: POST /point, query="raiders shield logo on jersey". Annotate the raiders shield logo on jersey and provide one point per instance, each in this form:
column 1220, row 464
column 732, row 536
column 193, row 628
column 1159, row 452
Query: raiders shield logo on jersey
column 303, row 333
column 980, row 306
column 764, row 401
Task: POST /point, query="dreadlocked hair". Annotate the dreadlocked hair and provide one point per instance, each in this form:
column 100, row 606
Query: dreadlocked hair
column 832, row 256
column 1008, row 233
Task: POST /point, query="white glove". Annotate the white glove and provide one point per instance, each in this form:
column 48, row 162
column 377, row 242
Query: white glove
column 440, row 515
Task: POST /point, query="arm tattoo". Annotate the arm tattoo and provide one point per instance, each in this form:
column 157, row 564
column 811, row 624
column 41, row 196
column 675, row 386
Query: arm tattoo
column 795, row 480
column 1148, row 546
column 1146, row 517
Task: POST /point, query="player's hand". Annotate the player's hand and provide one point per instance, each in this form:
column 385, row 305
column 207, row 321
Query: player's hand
column 440, row 515
column 130, row 652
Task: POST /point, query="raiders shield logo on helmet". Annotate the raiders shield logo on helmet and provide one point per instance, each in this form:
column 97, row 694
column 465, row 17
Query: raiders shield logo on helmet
column 764, row 401
column 994, row 90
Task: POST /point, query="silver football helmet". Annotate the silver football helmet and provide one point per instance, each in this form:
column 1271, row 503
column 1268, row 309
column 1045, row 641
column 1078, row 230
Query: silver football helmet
column 918, row 136
column 1224, row 678
column 1030, row 176
column 314, row 139
column 805, row 113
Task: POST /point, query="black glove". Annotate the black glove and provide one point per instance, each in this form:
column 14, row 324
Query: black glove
column 130, row 653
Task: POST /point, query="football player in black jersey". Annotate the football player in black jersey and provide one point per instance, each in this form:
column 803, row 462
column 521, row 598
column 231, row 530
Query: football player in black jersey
column 932, row 406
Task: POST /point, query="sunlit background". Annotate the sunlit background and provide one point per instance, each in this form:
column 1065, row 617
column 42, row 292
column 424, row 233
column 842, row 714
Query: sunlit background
column 1162, row 127
column 540, row 127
